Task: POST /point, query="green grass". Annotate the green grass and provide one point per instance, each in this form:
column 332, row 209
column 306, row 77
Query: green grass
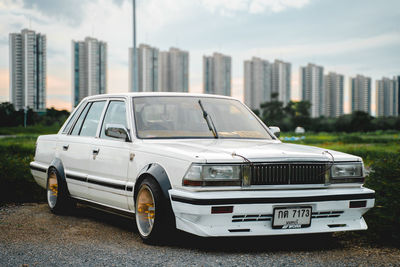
column 30, row 130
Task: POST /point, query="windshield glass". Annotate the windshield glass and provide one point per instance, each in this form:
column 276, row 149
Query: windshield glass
column 184, row 117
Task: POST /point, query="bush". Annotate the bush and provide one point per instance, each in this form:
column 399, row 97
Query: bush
column 16, row 182
column 384, row 219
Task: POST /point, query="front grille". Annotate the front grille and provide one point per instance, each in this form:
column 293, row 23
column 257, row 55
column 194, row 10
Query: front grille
column 287, row 173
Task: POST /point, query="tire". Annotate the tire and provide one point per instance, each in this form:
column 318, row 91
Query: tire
column 57, row 193
column 153, row 213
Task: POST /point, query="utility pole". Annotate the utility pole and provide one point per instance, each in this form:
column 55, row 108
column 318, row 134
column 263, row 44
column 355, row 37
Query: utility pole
column 134, row 69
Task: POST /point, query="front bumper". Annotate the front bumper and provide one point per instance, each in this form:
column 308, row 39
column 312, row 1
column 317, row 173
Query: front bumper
column 253, row 210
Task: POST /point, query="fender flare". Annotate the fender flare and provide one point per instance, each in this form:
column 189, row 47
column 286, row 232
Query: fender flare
column 57, row 164
column 159, row 174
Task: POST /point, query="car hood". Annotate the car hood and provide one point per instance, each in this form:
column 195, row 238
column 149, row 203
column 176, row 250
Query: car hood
column 228, row 150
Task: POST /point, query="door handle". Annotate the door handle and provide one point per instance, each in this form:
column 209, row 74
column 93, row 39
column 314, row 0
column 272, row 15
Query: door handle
column 65, row 147
column 96, row 151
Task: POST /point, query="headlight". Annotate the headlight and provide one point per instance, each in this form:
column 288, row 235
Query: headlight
column 209, row 175
column 347, row 173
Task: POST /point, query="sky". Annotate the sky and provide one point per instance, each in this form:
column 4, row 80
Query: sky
column 348, row 37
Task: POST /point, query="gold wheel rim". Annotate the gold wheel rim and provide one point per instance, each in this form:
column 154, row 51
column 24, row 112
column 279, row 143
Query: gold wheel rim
column 52, row 189
column 145, row 210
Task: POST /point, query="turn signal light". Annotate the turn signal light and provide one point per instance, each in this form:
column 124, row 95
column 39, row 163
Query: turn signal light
column 222, row 209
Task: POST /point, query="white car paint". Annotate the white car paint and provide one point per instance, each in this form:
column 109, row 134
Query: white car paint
column 119, row 163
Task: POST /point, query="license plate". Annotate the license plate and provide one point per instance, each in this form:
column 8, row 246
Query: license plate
column 291, row 218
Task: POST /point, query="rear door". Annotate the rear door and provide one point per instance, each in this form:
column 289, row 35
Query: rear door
column 110, row 161
column 75, row 148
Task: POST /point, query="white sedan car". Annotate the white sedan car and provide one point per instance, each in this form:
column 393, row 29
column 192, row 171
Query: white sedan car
column 204, row 164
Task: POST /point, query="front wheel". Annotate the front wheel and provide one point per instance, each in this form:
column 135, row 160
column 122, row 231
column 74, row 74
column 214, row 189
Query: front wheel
column 152, row 212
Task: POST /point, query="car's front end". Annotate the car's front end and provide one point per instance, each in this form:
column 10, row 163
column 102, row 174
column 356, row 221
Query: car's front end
column 272, row 198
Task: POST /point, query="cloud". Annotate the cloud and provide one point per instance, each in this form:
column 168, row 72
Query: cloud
column 228, row 7
column 70, row 11
column 327, row 48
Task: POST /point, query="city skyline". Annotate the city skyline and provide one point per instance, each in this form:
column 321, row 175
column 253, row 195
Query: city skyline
column 241, row 29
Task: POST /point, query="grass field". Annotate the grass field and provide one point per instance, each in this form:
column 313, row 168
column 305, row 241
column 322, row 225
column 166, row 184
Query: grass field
column 380, row 151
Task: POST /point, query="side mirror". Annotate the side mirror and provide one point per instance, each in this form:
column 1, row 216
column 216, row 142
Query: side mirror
column 275, row 130
column 117, row 131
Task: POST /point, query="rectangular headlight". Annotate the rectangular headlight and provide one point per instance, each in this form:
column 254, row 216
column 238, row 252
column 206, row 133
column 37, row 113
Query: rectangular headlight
column 347, row 173
column 213, row 175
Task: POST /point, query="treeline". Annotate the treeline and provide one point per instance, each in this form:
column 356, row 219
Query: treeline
column 11, row 117
column 294, row 114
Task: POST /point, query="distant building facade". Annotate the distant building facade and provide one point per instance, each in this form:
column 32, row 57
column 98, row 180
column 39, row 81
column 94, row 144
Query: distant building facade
column 387, row 98
column 174, row 71
column 333, row 100
column 28, row 82
column 257, row 82
column 360, row 89
column 312, row 88
column 217, row 74
column 89, row 68
column 281, row 80
column 160, row 71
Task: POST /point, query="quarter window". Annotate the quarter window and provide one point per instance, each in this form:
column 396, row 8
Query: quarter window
column 116, row 114
column 79, row 122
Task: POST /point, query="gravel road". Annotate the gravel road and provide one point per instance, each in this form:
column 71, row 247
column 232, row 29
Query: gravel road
column 30, row 235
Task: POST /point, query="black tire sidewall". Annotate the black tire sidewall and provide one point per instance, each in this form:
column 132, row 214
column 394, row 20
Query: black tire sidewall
column 161, row 223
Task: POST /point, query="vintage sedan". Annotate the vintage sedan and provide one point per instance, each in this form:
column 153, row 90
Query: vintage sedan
column 203, row 164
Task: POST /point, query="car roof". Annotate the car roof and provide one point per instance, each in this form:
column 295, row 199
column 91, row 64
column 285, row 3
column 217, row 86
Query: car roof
column 141, row 94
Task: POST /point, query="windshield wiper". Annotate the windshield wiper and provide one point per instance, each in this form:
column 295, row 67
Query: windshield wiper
column 209, row 120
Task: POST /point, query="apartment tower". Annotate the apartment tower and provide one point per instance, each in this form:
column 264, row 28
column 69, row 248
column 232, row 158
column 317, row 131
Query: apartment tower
column 360, row 89
column 257, row 82
column 312, row 88
column 387, row 97
column 28, row 81
column 89, row 68
column 333, row 100
column 217, row 75
column 281, row 77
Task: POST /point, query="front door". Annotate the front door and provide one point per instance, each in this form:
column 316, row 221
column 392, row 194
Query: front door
column 110, row 159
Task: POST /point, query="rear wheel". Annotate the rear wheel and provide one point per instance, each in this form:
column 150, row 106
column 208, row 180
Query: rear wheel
column 152, row 212
column 57, row 194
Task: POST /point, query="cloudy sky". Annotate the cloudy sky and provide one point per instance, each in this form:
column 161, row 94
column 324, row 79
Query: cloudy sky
column 349, row 37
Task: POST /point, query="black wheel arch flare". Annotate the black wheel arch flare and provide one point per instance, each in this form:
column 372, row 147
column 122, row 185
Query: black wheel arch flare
column 58, row 165
column 159, row 174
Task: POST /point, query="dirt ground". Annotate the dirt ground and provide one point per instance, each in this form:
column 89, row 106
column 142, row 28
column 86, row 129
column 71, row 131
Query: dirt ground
column 31, row 235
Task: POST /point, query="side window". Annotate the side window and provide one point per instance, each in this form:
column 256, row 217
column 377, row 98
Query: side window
column 116, row 114
column 78, row 124
column 72, row 119
column 89, row 126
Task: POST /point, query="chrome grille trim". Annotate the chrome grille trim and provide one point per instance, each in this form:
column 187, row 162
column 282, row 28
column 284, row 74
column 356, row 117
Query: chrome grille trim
column 287, row 173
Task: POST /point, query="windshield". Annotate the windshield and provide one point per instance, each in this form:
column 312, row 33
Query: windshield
column 195, row 117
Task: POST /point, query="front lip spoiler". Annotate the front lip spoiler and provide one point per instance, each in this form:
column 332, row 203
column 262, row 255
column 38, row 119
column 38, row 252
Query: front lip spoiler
column 271, row 200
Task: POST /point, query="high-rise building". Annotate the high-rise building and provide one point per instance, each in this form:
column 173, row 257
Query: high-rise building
column 162, row 71
column 89, row 68
column 257, row 82
column 281, row 77
column 174, row 70
column 398, row 93
column 360, row 89
column 28, row 70
column 217, row 76
column 333, row 100
column 147, row 67
column 387, row 97
column 312, row 87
